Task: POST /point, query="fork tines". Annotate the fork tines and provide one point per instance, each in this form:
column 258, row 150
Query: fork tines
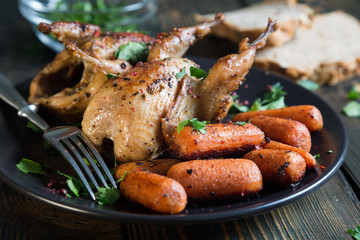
column 76, row 148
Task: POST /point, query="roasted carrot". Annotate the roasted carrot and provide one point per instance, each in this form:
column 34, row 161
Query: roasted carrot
column 206, row 180
column 309, row 159
column 306, row 114
column 158, row 166
column 278, row 166
column 156, row 192
column 219, row 140
column 287, row 131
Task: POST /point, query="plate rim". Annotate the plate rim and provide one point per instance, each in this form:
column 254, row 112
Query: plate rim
column 198, row 218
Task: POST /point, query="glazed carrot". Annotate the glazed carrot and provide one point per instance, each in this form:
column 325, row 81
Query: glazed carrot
column 309, row 159
column 158, row 166
column 219, row 140
column 278, row 166
column 306, row 114
column 287, row 131
column 206, row 180
column 156, row 192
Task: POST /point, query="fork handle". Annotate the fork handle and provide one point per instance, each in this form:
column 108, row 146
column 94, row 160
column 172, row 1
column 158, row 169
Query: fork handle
column 12, row 97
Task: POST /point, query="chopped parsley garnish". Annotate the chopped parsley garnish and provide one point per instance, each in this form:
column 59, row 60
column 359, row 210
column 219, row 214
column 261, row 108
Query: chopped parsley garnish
column 122, row 177
column 197, row 125
column 240, row 123
column 33, row 127
column 273, row 98
column 29, row 166
column 353, row 94
column 354, row 233
column 198, row 73
column 237, row 107
column 75, row 185
column 133, row 52
column 107, row 195
column 317, row 158
column 329, row 152
column 181, row 74
column 308, row 84
column 352, row 109
column 47, row 145
column 111, row 76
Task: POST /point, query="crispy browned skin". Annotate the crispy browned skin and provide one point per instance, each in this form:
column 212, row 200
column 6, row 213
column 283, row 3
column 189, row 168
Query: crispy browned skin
column 306, row 114
column 69, row 30
column 206, row 180
column 220, row 139
column 284, row 130
column 278, row 166
column 309, row 159
column 65, row 86
column 159, row 166
column 153, row 191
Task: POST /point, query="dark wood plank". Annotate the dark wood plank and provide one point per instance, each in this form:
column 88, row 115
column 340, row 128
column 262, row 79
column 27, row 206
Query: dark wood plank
column 352, row 160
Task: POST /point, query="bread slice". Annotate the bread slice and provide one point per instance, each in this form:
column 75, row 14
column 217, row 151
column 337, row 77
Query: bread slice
column 327, row 53
column 251, row 21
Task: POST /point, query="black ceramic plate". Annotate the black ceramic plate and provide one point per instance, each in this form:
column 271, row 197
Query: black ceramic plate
column 17, row 142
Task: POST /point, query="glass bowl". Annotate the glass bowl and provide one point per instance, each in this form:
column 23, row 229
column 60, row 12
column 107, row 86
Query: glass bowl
column 110, row 15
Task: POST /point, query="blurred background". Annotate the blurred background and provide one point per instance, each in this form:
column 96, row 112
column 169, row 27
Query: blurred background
column 30, row 55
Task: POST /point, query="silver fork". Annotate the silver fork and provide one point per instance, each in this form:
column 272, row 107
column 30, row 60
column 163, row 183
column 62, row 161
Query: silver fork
column 70, row 141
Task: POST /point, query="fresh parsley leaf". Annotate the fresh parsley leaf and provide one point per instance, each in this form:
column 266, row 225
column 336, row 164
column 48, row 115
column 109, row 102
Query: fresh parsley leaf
column 274, row 92
column 29, row 166
column 317, row 158
column 279, row 103
column 240, row 123
column 110, row 76
column 353, row 94
column 122, row 177
column 240, row 108
column 47, row 145
column 180, row 74
column 309, row 85
column 74, row 184
column 198, row 73
column 133, row 52
column 352, row 109
column 88, row 163
column 115, row 166
column 107, row 196
column 197, row 125
column 33, row 127
column 257, row 105
column 354, row 233
column 235, row 107
column 273, row 98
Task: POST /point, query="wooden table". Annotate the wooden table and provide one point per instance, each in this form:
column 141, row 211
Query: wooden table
column 326, row 213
